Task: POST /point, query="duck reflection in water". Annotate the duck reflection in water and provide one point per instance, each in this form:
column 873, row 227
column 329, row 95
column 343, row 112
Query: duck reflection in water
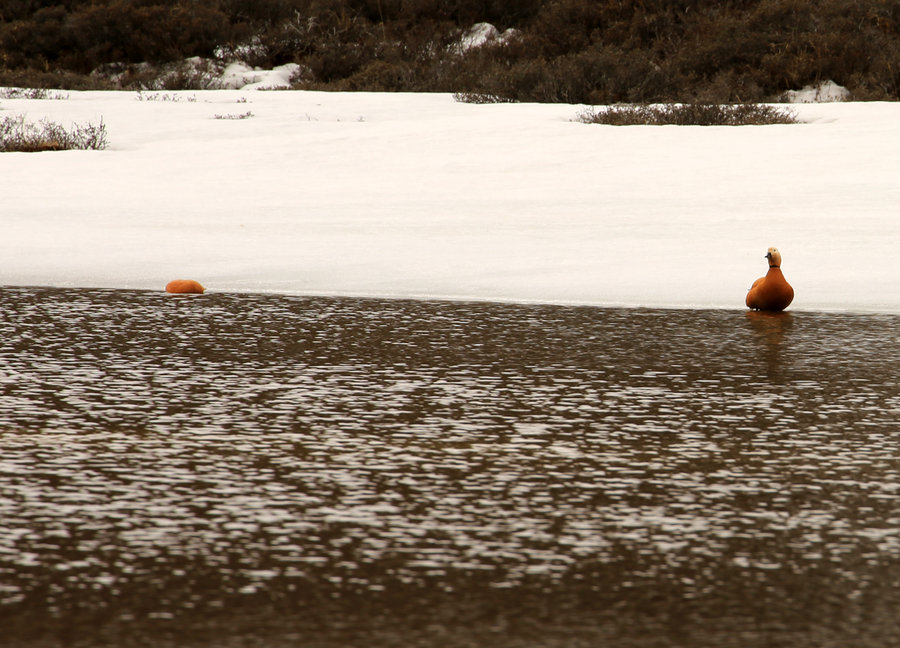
column 770, row 332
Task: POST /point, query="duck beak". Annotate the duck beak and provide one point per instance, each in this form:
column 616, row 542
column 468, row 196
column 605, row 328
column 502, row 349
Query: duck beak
column 768, row 255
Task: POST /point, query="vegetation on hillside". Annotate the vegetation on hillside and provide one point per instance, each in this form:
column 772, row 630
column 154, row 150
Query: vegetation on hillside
column 584, row 51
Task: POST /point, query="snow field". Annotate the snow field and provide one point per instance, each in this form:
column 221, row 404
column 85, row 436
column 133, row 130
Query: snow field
column 417, row 195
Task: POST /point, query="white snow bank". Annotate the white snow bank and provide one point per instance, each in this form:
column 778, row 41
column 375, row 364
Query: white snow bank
column 206, row 73
column 417, row 195
column 825, row 92
column 481, row 34
column 239, row 75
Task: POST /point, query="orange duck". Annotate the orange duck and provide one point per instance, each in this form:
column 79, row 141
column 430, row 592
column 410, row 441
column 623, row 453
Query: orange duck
column 184, row 286
column 772, row 292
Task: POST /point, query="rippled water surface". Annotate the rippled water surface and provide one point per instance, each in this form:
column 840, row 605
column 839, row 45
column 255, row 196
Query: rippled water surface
column 231, row 470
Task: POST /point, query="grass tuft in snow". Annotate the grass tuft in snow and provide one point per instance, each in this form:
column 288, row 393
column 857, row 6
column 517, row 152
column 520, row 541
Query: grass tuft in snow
column 246, row 115
column 18, row 135
column 481, row 98
column 31, row 93
column 164, row 96
column 689, row 115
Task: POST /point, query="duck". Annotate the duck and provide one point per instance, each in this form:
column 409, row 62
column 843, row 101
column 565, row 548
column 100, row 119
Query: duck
column 772, row 292
column 184, row 286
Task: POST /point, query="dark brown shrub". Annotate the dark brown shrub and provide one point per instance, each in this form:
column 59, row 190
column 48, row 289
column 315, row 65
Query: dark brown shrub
column 730, row 86
column 595, row 76
column 36, row 40
column 566, row 27
column 128, row 33
column 30, row 78
column 689, row 115
column 18, row 135
column 379, row 76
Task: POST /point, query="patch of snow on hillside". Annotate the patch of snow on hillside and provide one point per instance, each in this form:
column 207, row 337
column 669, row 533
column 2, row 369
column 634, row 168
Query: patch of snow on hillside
column 825, row 92
column 481, row 34
column 239, row 75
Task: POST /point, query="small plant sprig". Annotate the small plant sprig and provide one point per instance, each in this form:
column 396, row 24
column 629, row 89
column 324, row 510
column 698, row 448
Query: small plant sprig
column 689, row 115
column 246, row 115
column 164, row 96
column 18, row 135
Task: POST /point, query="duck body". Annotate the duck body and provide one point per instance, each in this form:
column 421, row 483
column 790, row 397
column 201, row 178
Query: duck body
column 772, row 292
column 184, row 286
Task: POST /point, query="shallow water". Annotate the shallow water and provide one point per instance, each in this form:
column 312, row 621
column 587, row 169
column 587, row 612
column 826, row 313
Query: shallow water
column 230, row 470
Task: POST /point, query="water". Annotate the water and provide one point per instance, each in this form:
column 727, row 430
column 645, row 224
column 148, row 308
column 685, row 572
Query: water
column 235, row 470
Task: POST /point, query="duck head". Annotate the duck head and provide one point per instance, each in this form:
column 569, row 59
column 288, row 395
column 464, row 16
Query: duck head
column 774, row 257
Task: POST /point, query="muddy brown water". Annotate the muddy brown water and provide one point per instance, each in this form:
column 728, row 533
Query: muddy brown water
column 246, row 470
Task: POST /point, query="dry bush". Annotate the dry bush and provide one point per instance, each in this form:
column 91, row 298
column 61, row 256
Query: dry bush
column 32, row 93
column 480, row 98
column 380, row 76
column 30, row 78
column 602, row 75
column 18, row 135
column 689, row 115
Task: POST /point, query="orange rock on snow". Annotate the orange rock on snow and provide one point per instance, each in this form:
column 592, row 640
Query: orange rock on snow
column 772, row 292
column 184, row 286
